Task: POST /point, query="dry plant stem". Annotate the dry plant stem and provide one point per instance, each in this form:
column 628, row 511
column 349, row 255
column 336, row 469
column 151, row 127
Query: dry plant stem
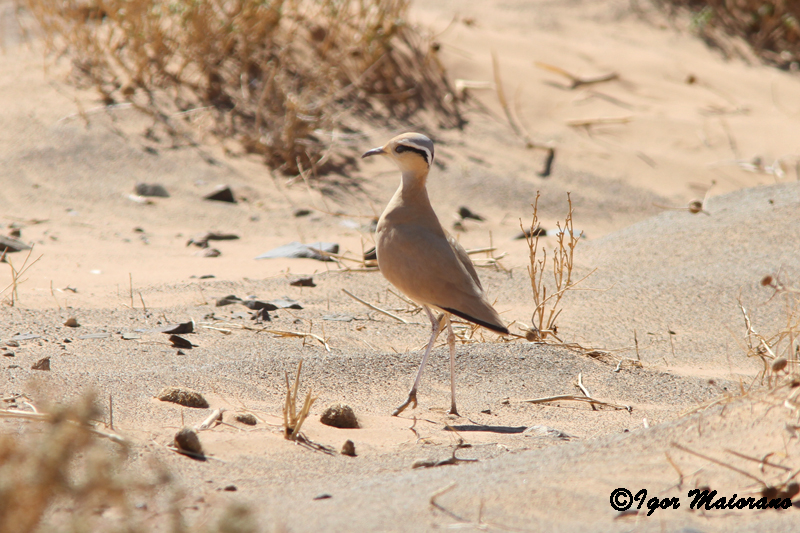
column 373, row 307
column 720, row 463
column 573, row 398
column 17, row 273
column 292, row 420
column 213, row 419
column 575, row 81
column 44, row 417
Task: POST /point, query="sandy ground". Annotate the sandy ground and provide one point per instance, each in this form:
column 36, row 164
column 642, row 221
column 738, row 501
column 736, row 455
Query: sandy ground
column 663, row 309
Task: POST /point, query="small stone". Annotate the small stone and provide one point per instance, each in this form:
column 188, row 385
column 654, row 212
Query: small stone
column 297, row 250
column 12, row 245
column 183, row 327
column 42, row 364
column 779, row 364
column 12, row 344
column 228, row 300
column 348, row 448
column 8, row 353
column 182, row 396
column 302, row 213
column 246, row 418
column 151, row 189
column 72, row 323
column 208, row 252
column 538, row 231
column 180, row 342
column 222, row 193
column 465, row 212
column 186, row 440
column 323, row 496
column 303, row 282
column 339, row 415
column 230, row 488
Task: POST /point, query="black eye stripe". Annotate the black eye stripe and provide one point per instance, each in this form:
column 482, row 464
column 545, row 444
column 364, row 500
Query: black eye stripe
column 403, row 148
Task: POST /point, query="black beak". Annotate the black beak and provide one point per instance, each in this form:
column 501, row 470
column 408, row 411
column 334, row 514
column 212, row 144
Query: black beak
column 374, row 151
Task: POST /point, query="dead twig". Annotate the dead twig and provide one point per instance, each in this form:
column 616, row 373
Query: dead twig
column 44, row 417
column 374, row 307
column 573, row 398
column 576, row 81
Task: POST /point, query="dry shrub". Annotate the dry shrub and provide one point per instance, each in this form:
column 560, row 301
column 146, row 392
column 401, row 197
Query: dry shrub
column 771, row 28
column 284, row 78
column 780, row 349
column 56, row 474
column 547, row 306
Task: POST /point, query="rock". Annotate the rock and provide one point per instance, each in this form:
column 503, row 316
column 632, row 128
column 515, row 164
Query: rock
column 257, row 305
column 339, row 415
column 303, row 282
column 538, row 232
column 22, row 337
column 12, row 245
column 209, row 252
column 285, row 303
column 222, row 193
column 338, row 318
column 95, row 336
column 465, row 212
column 246, row 418
column 201, row 239
column 296, row 250
column 182, row 396
column 178, row 329
column 186, row 440
column 323, row 496
column 261, row 315
column 546, row 432
column 151, row 189
column 72, row 323
column 8, row 353
column 180, row 342
column 228, row 300
column 230, row 488
column 348, row 448
column 302, row 213
column 42, row 364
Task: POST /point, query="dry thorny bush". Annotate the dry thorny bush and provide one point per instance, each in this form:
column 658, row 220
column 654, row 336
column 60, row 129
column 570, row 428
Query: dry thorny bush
column 286, row 79
column 56, row 474
column 771, row 28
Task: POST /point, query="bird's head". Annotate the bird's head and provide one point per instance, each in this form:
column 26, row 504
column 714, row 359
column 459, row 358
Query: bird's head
column 412, row 152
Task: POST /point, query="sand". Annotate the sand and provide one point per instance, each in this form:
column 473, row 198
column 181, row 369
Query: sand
column 671, row 279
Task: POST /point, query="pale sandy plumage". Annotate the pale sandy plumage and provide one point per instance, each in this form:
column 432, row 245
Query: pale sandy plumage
column 421, row 259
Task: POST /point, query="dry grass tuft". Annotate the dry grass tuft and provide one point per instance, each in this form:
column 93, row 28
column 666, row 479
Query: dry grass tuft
column 57, row 475
column 293, row 420
column 285, row 79
column 772, row 29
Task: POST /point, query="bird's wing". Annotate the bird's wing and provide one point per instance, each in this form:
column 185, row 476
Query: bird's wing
column 433, row 269
column 463, row 256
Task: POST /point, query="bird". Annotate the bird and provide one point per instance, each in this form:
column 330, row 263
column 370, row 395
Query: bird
column 417, row 255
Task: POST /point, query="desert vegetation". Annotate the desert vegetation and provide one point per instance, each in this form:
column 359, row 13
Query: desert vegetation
column 289, row 81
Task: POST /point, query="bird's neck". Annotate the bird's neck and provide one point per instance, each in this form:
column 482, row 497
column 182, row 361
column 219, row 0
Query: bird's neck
column 413, row 185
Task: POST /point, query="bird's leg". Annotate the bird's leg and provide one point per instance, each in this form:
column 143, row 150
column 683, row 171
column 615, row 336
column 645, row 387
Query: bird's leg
column 412, row 395
column 451, row 342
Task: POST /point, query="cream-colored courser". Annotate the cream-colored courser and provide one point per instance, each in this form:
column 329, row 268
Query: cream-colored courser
column 422, row 260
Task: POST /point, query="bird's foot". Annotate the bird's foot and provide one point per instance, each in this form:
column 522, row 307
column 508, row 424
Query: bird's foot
column 412, row 399
column 453, row 410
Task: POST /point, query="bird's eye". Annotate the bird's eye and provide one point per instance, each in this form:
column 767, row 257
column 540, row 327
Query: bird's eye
column 400, row 149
